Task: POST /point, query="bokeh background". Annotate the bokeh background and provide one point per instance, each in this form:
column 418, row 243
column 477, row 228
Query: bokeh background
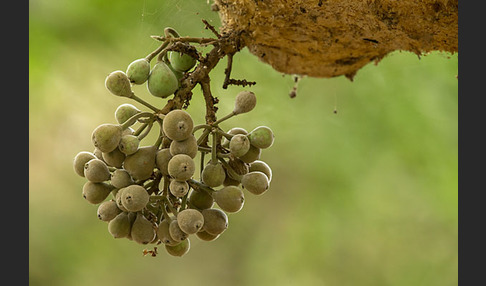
column 366, row 195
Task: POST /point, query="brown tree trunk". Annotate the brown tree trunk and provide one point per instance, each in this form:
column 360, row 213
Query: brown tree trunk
column 329, row 38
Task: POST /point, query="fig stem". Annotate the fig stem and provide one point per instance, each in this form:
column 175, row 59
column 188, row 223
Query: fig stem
column 141, row 101
column 147, row 130
column 200, row 126
column 169, row 204
column 231, row 114
column 134, row 118
column 203, row 41
column 231, row 172
column 200, row 186
column 214, row 151
column 150, row 56
column 140, row 129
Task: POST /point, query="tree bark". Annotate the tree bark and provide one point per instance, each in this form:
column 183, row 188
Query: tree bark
column 329, row 38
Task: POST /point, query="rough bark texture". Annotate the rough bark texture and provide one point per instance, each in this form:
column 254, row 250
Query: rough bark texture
column 320, row 38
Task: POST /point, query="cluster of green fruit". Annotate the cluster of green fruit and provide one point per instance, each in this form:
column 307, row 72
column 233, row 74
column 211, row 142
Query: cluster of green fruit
column 156, row 195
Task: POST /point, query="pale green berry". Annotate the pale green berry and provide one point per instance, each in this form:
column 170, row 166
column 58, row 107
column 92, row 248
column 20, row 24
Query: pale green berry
column 215, row 221
column 239, row 145
column 190, row 220
column 255, row 182
column 125, row 111
column 213, row 175
column 138, row 71
column 204, row 235
column 80, row 160
column 142, row 231
column 163, row 233
column 162, row 159
column 118, row 84
column 181, row 62
column 162, row 82
column 129, row 144
column 108, row 210
column 176, row 232
column 106, row 137
column 261, row 137
column 245, row 101
column 263, row 167
column 114, row 158
column 120, row 178
column 230, row 199
column 187, row 146
column 179, row 249
column 177, row 73
column 178, row 188
column 140, row 165
column 200, row 199
column 118, row 200
column 253, row 154
column 177, row 125
column 134, row 198
column 120, row 226
column 233, row 131
column 96, row 193
column 181, row 167
column 96, row 171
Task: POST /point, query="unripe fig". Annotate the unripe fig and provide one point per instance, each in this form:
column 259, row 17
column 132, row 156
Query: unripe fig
column 181, row 62
column 255, row 182
column 187, row 146
column 134, row 198
column 138, row 71
column 261, row 137
column 190, row 220
column 96, row 171
column 129, row 144
column 263, row 167
column 118, row 200
column 162, row 82
column 228, row 181
column 106, row 137
column 108, row 210
column 252, row 154
column 238, row 166
column 215, row 221
column 178, row 188
column 213, row 175
column 140, row 165
column 204, row 235
column 96, row 193
column 177, row 125
column 114, row 158
column 118, row 84
column 179, row 249
column 201, row 200
column 233, row 131
column 239, row 145
column 120, row 178
column 162, row 159
column 177, row 73
column 176, row 232
column 245, row 101
column 142, row 231
column 120, row 226
column 80, row 160
column 124, row 112
column 230, row 199
column 181, row 167
column 163, row 233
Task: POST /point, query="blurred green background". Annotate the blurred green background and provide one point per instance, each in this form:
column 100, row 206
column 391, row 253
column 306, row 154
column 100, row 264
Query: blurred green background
column 364, row 196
